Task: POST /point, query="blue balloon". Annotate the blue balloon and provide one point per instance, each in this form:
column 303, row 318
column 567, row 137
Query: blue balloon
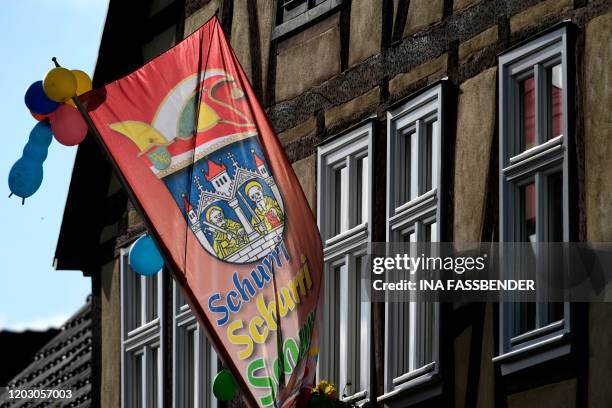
column 41, row 134
column 144, row 257
column 37, row 147
column 25, row 177
column 37, row 100
column 35, row 152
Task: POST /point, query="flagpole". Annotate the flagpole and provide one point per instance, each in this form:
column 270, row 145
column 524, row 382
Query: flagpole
column 226, row 358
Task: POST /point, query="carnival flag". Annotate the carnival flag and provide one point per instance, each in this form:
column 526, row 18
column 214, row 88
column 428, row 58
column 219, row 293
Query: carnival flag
column 201, row 161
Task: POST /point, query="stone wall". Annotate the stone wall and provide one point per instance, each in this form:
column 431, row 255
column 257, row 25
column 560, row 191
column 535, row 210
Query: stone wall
column 597, row 84
column 477, row 97
column 110, row 332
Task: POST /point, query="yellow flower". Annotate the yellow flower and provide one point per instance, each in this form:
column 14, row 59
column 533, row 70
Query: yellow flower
column 320, row 386
column 324, row 387
column 331, row 392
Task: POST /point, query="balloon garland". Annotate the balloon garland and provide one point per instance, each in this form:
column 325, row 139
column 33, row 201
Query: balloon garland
column 50, row 103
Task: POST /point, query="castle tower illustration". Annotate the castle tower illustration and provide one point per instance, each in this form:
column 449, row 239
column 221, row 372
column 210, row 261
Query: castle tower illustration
column 263, row 172
column 218, row 177
column 261, row 166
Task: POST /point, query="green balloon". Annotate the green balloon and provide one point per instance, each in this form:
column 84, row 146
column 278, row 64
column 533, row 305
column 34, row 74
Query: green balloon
column 224, row 386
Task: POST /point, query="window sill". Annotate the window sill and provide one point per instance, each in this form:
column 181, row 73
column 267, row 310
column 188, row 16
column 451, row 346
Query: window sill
column 539, row 352
column 421, row 388
column 346, row 240
column 142, row 330
column 358, row 398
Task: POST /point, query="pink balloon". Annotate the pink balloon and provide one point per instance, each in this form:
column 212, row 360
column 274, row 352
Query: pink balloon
column 68, row 126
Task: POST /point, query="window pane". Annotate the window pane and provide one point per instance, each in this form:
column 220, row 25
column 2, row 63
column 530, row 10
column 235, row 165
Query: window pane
column 180, row 298
column 342, row 328
column 553, row 311
column 153, row 389
column 528, row 113
column 431, row 156
column 402, row 358
column 334, row 304
column 137, row 388
column 362, row 190
column 340, row 203
column 408, row 186
column 527, row 213
column 362, row 350
column 555, row 86
column 431, row 232
column 206, row 382
column 425, row 330
column 189, row 361
column 151, row 283
column 524, row 317
column 134, row 299
column 291, row 9
column 408, row 236
column 525, row 312
column 555, row 208
column 360, row 330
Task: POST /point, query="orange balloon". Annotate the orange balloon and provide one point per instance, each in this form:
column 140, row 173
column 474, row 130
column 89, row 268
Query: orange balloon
column 39, row 117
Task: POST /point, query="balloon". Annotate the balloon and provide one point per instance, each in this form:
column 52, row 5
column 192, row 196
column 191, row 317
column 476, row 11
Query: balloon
column 68, row 126
column 37, row 101
column 25, row 177
column 37, row 147
column 35, row 152
column 83, row 84
column 224, row 386
column 41, row 134
column 144, row 258
column 39, row 117
column 60, row 84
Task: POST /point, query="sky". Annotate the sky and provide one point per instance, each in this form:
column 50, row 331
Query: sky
column 32, row 294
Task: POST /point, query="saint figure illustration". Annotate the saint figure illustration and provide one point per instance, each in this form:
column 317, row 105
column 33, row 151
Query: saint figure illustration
column 228, row 235
column 268, row 214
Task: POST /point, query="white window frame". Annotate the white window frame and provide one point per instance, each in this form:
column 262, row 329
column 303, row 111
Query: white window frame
column 142, row 339
column 205, row 358
column 343, row 249
column 313, row 12
column 410, row 216
column 550, row 341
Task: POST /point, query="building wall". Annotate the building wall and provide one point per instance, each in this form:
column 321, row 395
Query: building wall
column 360, row 60
column 597, row 82
column 110, row 335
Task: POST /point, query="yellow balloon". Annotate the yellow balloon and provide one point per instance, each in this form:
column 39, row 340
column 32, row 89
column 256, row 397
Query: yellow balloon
column 83, row 84
column 60, row 84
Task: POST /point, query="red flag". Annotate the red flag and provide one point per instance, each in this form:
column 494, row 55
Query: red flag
column 202, row 162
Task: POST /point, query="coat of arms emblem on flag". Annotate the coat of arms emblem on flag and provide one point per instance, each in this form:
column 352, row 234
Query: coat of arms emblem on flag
column 195, row 150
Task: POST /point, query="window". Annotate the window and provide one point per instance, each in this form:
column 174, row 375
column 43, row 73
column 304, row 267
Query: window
column 343, row 208
column 414, row 152
column 534, row 198
column 195, row 361
column 292, row 14
column 141, row 338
